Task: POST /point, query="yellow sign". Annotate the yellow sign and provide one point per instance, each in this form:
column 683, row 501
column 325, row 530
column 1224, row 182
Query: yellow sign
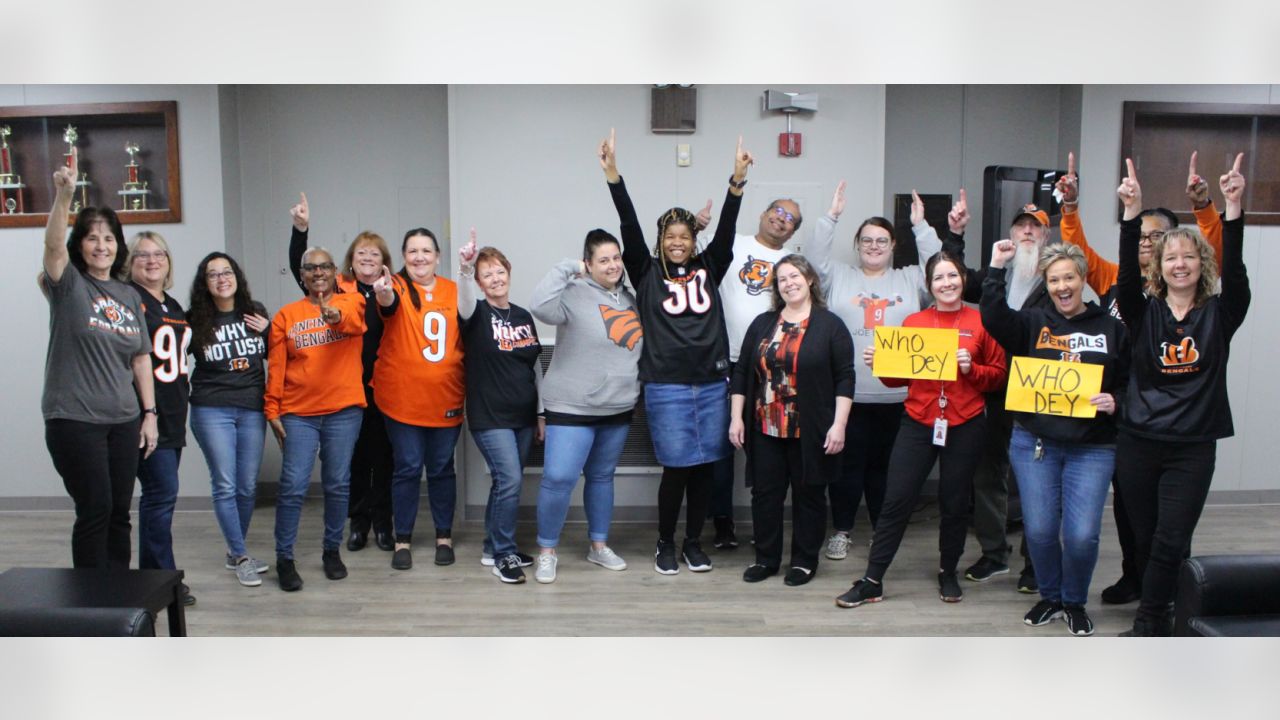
column 909, row 352
column 1052, row 387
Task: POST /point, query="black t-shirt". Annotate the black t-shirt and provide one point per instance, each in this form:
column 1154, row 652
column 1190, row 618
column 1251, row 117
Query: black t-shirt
column 501, row 362
column 230, row 370
column 170, row 337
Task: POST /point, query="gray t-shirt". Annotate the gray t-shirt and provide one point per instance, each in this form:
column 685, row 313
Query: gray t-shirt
column 96, row 329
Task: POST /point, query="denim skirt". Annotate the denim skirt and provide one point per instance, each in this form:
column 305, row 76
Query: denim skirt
column 689, row 424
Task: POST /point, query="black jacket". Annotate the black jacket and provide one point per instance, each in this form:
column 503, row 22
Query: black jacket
column 824, row 369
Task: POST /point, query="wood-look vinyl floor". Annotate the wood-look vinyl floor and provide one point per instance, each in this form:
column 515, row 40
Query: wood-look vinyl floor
column 465, row 599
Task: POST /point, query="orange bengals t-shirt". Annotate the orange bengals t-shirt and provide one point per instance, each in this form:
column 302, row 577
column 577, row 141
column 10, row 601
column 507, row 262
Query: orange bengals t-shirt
column 418, row 378
column 314, row 368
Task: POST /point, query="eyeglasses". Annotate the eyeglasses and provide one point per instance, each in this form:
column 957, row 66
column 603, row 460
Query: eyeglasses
column 782, row 213
column 1153, row 236
column 215, row 276
column 146, row 256
column 880, row 242
column 319, row 267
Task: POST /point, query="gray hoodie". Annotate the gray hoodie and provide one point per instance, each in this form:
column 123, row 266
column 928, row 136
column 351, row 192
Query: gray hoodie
column 598, row 339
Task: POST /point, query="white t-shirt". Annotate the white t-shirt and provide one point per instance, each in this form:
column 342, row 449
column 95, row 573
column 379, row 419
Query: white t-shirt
column 747, row 288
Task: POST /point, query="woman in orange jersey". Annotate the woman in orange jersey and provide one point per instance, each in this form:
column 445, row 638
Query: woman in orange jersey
column 315, row 400
column 417, row 383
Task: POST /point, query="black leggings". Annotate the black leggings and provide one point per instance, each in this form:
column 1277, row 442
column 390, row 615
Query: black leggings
column 913, row 456
column 679, row 483
column 98, row 464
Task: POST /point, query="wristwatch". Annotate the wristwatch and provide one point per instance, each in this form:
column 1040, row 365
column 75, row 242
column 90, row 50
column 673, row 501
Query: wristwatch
column 737, row 184
column 153, row 411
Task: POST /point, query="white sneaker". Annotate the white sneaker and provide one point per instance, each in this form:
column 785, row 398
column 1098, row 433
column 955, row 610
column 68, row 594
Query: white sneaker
column 838, row 546
column 258, row 565
column 546, row 570
column 606, row 558
column 247, row 573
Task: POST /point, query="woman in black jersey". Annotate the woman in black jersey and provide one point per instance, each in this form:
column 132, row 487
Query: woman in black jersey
column 685, row 360
column 1176, row 407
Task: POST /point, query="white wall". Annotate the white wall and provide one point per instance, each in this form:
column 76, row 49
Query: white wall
column 523, row 171
column 1246, row 463
column 28, row 472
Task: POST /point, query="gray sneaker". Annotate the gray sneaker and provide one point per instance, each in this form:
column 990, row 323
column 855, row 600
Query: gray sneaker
column 247, row 573
column 258, row 565
column 838, row 546
column 606, row 558
column 546, row 570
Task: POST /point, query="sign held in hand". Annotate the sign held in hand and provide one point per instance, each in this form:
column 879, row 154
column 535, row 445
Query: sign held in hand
column 1052, row 387
column 917, row 353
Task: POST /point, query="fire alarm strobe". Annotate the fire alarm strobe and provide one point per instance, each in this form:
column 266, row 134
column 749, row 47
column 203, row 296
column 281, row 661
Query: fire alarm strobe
column 789, row 103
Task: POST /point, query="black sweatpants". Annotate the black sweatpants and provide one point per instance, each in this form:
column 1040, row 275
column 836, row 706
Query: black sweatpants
column 913, row 456
column 98, row 464
column 868, row 445
column 679, row 484
column 777, row 465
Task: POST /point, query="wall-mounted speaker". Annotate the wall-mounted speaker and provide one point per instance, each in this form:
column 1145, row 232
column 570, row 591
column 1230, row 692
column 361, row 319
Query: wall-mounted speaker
column 673, row 109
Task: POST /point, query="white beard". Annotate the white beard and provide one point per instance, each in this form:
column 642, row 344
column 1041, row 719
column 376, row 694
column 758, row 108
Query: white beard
column 1023, row 275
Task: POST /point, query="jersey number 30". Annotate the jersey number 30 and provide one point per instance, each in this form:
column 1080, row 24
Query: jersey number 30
column 435, row 328
column 688, row 295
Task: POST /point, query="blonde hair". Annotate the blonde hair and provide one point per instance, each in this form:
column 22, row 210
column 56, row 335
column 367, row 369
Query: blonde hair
column 1208, row 285
column 1063, row 251
column 159, row 240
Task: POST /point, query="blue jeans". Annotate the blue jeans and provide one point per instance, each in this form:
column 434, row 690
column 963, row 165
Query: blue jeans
column 505, row 452
column 334, row 435
column 572, row 450
column 412, row 448
column 158, row 476
column 231, row 439
column 1063, row 495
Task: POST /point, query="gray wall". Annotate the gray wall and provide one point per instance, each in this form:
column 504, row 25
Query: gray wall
column 28, row 472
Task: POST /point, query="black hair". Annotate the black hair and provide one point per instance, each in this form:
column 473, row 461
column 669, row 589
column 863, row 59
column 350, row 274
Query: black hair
column 596, row 238
column 85, row 220
column 796, row 224
column 202, row 308
column 404, row 269
column 1168, row 215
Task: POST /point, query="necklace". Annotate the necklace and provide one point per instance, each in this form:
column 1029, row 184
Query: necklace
column 498, row 312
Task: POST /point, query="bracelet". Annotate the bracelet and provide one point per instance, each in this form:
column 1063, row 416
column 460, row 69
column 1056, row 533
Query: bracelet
column 737, row 185
column 152, row 411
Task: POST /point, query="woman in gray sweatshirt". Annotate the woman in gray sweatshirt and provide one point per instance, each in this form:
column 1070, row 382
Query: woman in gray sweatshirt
column 867, row 295
column 589, row 393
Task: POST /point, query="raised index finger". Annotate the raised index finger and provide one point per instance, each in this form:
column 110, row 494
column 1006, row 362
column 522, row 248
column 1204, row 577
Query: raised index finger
column 1133, row 173
column 304, row 198
column 739, row 151
column 1191, row 170
column 1236, row 167
column 1071, row 163
column 915, row 198
column 963, row 199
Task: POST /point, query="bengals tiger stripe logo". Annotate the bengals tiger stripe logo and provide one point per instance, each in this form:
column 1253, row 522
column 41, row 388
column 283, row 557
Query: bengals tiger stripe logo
column 622, row 326
column 113, row 314
column 1183, row 353
column 756, row 275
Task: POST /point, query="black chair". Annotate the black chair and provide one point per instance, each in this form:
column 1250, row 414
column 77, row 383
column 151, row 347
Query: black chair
column 1228, row 596
column 77, row 622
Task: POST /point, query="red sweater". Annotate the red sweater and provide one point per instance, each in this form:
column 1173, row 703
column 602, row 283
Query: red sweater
column 964, row 394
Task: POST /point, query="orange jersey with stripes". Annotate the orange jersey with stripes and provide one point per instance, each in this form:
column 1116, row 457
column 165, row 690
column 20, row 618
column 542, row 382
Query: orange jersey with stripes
column 418, row 378
column 314, row 368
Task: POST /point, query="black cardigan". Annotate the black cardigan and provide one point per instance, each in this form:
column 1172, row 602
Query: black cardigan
column 824, row 369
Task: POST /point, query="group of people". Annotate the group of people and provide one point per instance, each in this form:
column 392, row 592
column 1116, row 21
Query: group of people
column 732, row 342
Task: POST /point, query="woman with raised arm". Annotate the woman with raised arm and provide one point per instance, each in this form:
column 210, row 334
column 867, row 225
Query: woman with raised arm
column 370, row 506
column 943, row 422
column 1063, row 463
column 590, row 393
column 314, row 403
column 228, row 382
column 150, row 272
column 418, row 385
column 685, row 362
column 796, row 367
column 868, row 295
column 97, row 370
column 1176, row 407
column 503, row 408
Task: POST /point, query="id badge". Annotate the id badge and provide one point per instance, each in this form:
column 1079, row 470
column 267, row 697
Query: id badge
column 940, row 432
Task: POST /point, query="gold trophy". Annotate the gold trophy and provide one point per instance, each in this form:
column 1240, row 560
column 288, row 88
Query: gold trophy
column 10, row 183
column 69, row 136
column 134, row 194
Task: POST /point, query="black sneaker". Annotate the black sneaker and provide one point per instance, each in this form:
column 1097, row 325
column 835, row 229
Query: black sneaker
column 985, row 569
column 664, row 558
column 508, row 570
column 1043, row 613
column 402, row 559
column 1126, row 590
column 1078, row 622
column 187, row 598
column 798, row 576
column 287, row 574
column 725, row 538
column 334, row 569
column 444, row 555
column 693, row 556
column 1027, row 581
column 757, row 572
column 949, row 587
column 863, row 591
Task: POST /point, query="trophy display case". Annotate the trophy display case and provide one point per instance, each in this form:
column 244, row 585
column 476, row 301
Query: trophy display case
column 127, row 152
